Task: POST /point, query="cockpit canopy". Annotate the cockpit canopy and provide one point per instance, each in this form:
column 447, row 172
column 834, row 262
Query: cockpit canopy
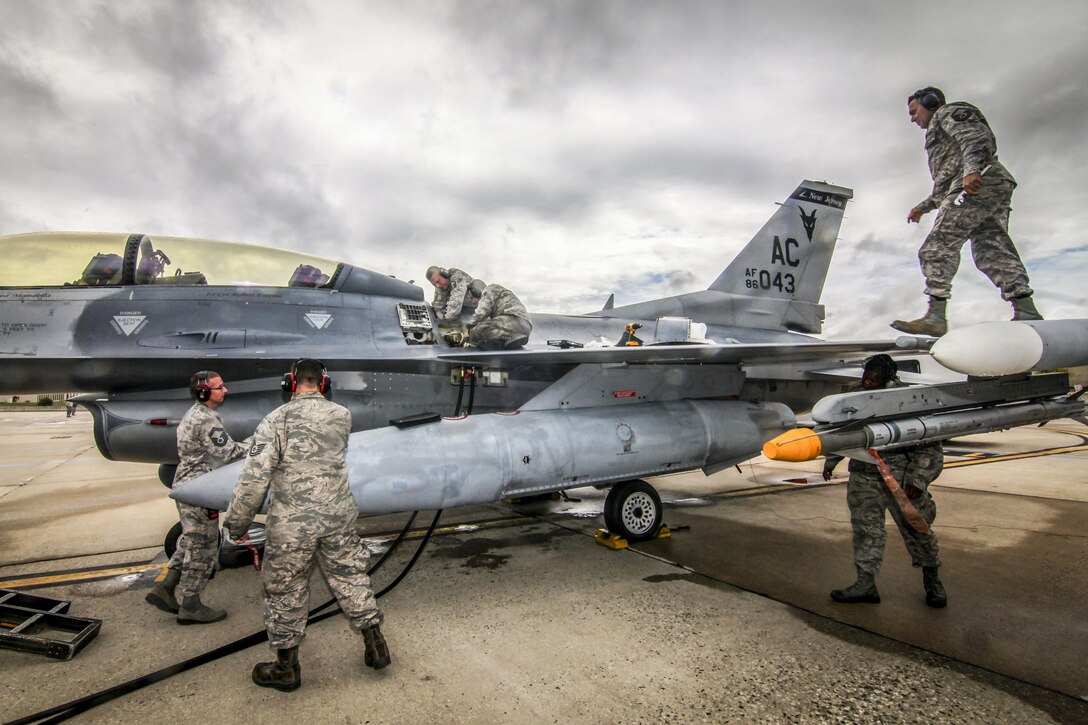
column 91, row 259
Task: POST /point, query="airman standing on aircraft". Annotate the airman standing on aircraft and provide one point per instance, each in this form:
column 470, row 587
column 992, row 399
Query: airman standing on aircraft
column 298, row 458
column 972, row 192
column 203, row 445
column 868, row 497
column 501, row 322
column 451, row 292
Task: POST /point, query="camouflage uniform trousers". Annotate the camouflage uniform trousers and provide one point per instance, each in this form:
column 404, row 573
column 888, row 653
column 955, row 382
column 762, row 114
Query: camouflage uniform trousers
column 984, row 219
column 497, row 333
column 868, row 498
column 197, row 554
column 285, row 583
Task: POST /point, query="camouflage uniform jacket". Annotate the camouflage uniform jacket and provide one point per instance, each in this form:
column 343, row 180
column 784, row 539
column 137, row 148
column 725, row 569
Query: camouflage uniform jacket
column 447, row 303
column 298, row 458
column 497, row 300
column 204, row 444
column 959, row 142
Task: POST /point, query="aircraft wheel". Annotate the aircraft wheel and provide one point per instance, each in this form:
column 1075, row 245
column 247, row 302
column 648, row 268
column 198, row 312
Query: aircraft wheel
column 166, row 473
column 170, row 543
column 633, row 510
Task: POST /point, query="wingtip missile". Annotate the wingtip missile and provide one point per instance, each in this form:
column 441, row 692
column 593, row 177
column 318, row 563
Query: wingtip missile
column 796, row 446
column 992, row 349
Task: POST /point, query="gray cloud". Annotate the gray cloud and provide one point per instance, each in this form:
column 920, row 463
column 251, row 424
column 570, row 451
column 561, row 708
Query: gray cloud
column 566, row 148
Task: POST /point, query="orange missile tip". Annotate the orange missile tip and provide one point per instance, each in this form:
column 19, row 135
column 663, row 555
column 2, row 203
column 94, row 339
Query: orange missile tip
column 797, row 445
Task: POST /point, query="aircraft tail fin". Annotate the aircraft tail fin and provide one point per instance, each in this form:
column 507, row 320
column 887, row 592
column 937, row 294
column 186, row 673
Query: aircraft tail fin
column 789, row 257
column 776, row 280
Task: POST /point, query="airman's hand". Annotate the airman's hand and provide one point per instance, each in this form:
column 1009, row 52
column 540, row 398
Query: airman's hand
column 972, row 183
column 914, row 217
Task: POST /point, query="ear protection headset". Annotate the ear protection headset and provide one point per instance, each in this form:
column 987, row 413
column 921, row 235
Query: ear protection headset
column 884, row 363
column 202, row 391
column 930, row 98
column 289, row 382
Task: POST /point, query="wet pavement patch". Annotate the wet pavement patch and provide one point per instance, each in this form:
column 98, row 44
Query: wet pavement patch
column 485, row 561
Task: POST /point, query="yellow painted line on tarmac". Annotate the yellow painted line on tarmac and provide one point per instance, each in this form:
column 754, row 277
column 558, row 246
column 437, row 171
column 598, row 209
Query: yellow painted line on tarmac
column 67, row 577
column 90, row 574
column 1017, row 456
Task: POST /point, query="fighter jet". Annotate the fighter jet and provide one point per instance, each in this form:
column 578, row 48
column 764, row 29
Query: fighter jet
column 698, row 380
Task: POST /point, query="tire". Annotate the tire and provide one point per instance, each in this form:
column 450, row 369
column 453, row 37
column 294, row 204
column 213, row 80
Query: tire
column 231, row 555
column 633, row 510
column 166, row 473
column 170, row 543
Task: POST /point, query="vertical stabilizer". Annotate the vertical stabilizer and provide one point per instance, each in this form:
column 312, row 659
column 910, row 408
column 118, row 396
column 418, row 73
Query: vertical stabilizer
column 789, row 256
column 776, row 281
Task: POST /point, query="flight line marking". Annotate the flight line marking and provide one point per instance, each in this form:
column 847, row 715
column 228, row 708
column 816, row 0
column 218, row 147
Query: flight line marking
column 52, row 579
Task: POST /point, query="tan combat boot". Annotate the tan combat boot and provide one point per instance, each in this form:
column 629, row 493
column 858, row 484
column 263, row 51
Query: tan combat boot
column 162, row 596
column 1023, row 308
column 934, row 322
column 194, row 611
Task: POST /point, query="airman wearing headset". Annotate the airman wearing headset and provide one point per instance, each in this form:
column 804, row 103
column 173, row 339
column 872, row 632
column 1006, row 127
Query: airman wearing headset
column 299, row 462
column 868, row 497
column 451, row 292
column 972, row 192
column 203, row 445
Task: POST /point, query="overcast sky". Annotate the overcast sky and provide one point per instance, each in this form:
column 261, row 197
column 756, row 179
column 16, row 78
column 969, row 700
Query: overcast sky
column 567, row 150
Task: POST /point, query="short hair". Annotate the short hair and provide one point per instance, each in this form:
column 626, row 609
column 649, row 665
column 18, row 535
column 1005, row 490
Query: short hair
column 477, row 288
column 440, row 271
column 884, row 364
column 309, row 371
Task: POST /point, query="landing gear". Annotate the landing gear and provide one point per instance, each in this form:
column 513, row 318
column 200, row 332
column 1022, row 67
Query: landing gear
column 231, row 555
column 632, row 510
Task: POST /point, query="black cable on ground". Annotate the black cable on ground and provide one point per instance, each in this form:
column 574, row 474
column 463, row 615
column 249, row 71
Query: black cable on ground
column 67, row 710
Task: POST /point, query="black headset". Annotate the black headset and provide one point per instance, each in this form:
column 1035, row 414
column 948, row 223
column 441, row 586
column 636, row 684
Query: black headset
column 202, row 391
column 929, row 97
column 289, row 382
column 884, row 363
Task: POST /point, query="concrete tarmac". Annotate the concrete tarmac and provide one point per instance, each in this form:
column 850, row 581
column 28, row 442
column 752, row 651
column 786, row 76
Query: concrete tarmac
column 514, row 614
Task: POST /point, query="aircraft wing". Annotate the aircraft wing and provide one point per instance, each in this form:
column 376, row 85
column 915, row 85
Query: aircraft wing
column 720, row 354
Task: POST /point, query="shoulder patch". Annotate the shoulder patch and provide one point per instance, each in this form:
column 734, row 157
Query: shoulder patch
column 218, row 436
column 962, row 115
column 256, row 448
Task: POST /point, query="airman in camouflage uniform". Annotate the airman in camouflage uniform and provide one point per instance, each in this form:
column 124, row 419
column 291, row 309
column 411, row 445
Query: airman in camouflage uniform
column 500, row 322
column 451, row 292
column 868, row 497
column 203, row 445
column 972, row 192
column 298, row 458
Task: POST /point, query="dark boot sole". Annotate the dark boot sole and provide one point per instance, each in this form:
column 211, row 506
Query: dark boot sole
column 379, row 664
column 867, row 599
column 200, row 621
column 277, row 686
